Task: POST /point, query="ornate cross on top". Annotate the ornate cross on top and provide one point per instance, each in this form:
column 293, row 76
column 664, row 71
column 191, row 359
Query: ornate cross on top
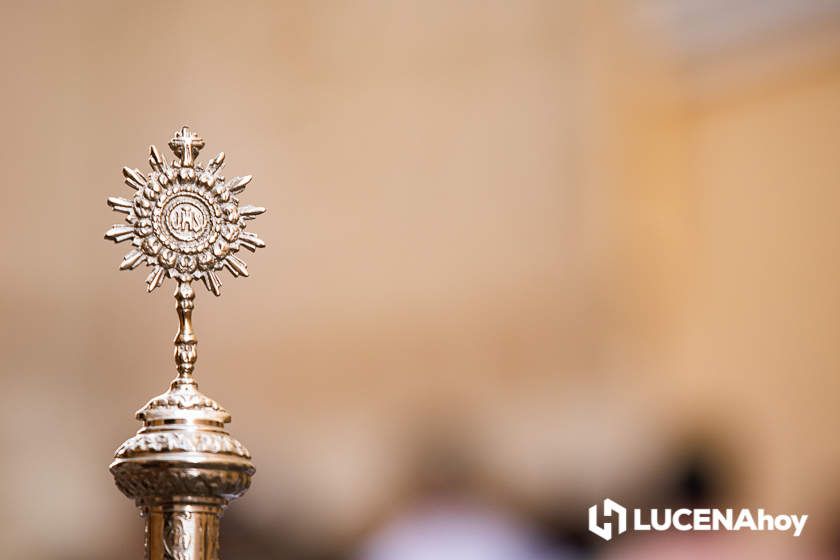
column 186, row 145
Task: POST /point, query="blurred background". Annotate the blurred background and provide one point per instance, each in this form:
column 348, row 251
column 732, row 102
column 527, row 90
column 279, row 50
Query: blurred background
column 522, row 256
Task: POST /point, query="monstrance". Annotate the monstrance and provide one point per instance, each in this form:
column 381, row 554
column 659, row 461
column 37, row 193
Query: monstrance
column 182, row 468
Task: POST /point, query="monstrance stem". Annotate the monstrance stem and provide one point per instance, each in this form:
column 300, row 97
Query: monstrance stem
column 185, row 340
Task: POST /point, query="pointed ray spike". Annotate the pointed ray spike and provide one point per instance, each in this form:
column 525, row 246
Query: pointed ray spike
column 157, row 161
column 134, row 179
column 238, row 184
column 123, row 237
column 214, row 163
column 155, row 278
column 250, row 241
column 231, row 269
column 132, row 259
column 236, row 266
column 211, row 280
column 250, row 212
column 120, row 204
column 239, row 264
column 120, row 233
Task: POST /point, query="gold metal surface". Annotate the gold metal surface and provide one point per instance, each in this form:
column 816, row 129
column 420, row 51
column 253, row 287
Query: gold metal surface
column 182, row 468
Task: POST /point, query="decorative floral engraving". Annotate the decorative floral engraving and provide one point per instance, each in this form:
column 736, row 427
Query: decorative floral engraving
column 184, row 397
column 191, row 442
column 177, row 537
column 142, row 481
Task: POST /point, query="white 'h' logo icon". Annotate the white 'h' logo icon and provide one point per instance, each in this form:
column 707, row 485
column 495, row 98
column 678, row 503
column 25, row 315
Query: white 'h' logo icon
column 610, row 508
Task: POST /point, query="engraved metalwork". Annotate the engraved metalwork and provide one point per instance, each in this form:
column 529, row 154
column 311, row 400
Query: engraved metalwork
column 176, row 541
column 185, row 220
column 182, row 441
column 182, row 468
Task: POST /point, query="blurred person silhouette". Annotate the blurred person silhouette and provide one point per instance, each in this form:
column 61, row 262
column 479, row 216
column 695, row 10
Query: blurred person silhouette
column 447, row 517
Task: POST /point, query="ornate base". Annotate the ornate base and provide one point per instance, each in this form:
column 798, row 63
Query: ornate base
column 181, row 503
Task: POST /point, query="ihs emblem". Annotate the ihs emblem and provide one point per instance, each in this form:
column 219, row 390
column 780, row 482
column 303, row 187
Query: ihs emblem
column 185, row 220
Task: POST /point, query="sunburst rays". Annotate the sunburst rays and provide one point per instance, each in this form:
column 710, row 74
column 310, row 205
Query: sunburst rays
column 184, row 219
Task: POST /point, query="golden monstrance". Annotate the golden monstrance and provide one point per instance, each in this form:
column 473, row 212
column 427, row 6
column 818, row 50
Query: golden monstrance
column 182, row 468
